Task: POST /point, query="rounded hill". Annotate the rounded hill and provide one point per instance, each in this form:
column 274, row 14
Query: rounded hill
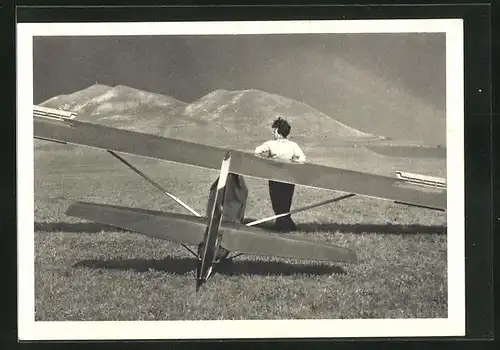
column 237, row 119
column 248, row 115
column 119, row 106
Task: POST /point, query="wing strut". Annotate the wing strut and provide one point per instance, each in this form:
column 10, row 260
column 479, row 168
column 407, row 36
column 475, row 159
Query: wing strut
column 298, row 210
column 184, row 205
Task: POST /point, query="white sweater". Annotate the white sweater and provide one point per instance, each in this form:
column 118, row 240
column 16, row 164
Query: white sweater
column 281, row 149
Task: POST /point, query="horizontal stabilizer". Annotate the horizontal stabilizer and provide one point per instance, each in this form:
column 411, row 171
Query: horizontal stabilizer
column 189, row 229
column 258, row 242
column 178, row 228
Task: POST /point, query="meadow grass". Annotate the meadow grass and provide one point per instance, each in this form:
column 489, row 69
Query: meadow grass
column 86, row 271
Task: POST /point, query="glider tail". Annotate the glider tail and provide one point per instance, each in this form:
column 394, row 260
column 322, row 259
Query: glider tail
column 177, row 228
column 249, row 240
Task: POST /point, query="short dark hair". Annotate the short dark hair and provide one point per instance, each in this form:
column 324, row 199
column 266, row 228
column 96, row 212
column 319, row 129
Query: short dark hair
column 282, row 126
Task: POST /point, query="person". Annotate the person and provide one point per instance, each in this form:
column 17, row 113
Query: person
column 281, row 148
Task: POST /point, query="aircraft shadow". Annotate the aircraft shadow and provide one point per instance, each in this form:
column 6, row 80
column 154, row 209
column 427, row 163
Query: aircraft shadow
column 301, row 227
column 395, row 229
column 182, row 266
column 80, row 227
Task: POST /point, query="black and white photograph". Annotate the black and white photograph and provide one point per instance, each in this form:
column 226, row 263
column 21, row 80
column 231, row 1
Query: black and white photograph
column 279, row 179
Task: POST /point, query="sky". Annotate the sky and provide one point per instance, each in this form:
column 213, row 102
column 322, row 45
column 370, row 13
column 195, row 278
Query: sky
column 298, row 66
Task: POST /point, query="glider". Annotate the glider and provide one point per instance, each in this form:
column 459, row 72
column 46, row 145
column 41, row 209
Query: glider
column 215, row 238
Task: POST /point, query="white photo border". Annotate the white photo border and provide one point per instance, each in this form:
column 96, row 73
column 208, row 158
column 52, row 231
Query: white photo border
column 454, row 325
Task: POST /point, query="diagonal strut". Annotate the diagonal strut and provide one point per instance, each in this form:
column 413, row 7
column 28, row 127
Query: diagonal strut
column 298, row 210
column 184, row 205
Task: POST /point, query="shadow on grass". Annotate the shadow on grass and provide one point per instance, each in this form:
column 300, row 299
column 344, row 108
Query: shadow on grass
column 373, row 228
column 80, row 227
column 395, row 229
column 301, row 227
column 230, row 268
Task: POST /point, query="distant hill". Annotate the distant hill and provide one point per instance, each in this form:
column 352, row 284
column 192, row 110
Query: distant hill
column 76, row 101
column 247, row 115
column 120, row 106
column 238, row 119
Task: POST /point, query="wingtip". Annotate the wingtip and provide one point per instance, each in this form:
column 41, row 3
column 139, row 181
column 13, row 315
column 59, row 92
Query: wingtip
column 227, row 155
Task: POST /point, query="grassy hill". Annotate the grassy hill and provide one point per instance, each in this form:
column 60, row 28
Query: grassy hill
column 121, row 107
column 245, row 116
column 238, row 119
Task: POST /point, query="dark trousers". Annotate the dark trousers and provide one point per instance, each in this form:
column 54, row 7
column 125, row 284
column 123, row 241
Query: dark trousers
column 281, row 199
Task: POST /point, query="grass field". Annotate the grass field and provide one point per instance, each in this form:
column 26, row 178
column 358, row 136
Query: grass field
column 85, row 271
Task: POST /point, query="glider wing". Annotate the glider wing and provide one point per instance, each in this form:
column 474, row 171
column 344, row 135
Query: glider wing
column 178, row 151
